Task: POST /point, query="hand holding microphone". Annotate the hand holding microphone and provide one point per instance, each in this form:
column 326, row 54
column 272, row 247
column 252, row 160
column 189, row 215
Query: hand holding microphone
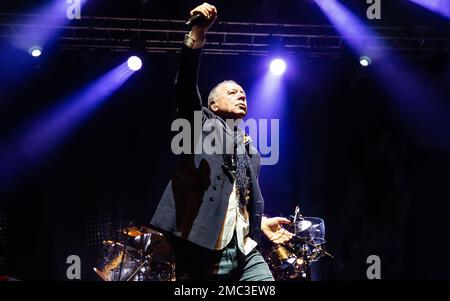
column 202, row 18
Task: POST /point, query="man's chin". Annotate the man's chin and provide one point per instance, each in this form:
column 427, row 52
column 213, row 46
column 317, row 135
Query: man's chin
column 234, row 115
column 240, row 115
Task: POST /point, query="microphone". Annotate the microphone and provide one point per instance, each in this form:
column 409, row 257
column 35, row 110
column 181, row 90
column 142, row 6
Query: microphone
column 195, row 19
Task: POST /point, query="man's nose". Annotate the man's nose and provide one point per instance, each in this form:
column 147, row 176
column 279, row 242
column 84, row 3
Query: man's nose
column 242, row 97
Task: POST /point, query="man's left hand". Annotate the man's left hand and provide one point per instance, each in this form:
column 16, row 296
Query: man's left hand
column 272, row 228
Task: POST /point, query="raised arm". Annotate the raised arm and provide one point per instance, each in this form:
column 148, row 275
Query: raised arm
column 187, row 94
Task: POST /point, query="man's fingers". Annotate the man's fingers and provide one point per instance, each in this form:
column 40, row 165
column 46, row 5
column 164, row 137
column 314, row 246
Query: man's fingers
column 193, row 11
column 200, row 10
column 283, row 220
column 289, row 233
column 286, row 232
column 281, row 236
column 209, row 9
column 278, row 236
column 206, row 10
column 212, row 9
column 283, row 239
column 209, row 6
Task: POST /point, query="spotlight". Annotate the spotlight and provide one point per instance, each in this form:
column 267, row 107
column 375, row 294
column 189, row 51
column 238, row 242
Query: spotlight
column 134, row 63
column 35, row 51
column 278, row 66
column 365, row 61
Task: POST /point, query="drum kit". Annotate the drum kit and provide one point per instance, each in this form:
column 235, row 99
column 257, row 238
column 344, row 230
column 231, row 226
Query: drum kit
column 136, row 254
column 143, row 254
column 292, row 261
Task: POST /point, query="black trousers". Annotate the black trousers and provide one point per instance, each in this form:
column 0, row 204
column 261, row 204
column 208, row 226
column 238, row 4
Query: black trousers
column 195, row 263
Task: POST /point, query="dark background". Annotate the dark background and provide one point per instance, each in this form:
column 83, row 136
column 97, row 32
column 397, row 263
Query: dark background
column 344, row 154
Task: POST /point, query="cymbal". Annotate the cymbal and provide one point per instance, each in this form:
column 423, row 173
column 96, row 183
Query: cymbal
column 303, row 225
column 135, row 231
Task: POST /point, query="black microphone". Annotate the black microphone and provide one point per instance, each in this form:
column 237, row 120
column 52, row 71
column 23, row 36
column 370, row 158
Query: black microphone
column 195, row 19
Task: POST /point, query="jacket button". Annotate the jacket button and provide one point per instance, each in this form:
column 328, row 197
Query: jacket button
column 211, row 198
column 219, row 176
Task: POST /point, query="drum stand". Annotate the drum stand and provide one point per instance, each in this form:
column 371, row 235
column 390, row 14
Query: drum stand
column 123, row 255
column 144, row 262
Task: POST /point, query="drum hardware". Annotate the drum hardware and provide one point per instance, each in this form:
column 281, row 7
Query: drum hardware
column 138, row 254
column 292, row 260
column 144, row 262
column 123, row 254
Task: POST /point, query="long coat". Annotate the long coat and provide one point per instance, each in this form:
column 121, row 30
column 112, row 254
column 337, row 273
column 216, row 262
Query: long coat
column 195, row 201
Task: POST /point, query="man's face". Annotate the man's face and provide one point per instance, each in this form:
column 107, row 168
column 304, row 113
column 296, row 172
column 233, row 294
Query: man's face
column 230, row 102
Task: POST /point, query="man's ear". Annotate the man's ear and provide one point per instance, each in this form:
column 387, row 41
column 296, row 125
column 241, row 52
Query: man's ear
column 214, row 106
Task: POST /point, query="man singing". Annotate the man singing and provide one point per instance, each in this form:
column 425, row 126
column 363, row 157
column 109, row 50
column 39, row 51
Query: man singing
column 212, row 209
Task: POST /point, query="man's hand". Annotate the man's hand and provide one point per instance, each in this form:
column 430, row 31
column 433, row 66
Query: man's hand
column 210, row 13
column 272, row 228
